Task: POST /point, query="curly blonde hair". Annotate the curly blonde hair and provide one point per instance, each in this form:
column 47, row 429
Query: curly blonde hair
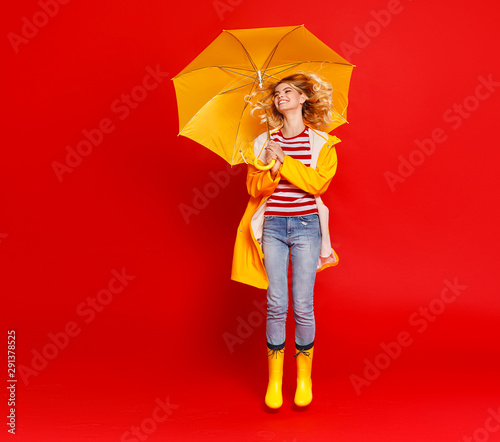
column 316, row 111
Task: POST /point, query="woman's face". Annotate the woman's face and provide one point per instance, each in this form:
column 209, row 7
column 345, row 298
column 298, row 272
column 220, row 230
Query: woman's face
column 287, row 98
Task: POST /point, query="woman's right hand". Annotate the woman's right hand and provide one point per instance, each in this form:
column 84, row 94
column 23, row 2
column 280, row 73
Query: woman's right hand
column 270, row 150
column 270, row 154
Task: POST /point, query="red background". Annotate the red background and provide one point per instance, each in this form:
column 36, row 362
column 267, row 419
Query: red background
column 164, row 334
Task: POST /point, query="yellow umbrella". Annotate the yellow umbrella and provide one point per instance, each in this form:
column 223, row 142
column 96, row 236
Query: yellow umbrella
column 211, row 89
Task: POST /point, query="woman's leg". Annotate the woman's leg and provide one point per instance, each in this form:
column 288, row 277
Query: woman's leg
column 276, row 253
column 276, row 256
column 306, row 244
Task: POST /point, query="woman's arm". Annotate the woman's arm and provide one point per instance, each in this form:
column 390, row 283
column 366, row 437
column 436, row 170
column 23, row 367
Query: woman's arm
column 313, row 181
column 260, row 183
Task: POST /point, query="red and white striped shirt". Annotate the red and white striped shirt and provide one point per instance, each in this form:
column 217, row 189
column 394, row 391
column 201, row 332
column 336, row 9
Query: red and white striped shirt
column 287, row 199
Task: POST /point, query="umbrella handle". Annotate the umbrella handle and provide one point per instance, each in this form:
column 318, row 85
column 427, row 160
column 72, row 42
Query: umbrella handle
column 258, row 166
column 256, row 160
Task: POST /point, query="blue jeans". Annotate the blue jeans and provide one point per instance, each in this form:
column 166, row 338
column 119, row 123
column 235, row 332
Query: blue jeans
column 300, row 237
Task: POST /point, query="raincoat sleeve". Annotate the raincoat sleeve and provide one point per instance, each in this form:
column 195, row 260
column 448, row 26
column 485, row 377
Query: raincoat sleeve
column 260, row 184
column 313, row 181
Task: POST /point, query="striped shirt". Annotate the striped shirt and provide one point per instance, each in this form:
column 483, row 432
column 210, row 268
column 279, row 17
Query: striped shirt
column 287, row 199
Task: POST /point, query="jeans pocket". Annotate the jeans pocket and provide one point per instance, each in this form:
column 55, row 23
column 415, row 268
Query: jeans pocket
column 309, row 218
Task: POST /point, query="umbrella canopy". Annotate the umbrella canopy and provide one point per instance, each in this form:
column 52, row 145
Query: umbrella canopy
column 211, row 89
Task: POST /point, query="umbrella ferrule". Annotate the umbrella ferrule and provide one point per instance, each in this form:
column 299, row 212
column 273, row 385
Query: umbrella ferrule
column 260, row 78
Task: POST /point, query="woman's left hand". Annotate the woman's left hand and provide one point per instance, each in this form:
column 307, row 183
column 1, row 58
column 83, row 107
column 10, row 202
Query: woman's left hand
column 275, row 151
column 274, row 170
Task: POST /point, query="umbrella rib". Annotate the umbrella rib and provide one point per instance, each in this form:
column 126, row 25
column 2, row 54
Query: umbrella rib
column 271, row 55
column 239, row 125
column 238, row 131
column 305, row 61
column 253, row 81
column 292, row 65
column 285, row 67
column 340, row 116
column 245, row 50
column 225, row 91
column 250, row 77
column 237, row 73
column 232, row 70
column 211, row 67
column 211, row 99
column 273, row 52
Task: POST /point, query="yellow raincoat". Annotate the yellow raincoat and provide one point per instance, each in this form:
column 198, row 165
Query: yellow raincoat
column 248, row 265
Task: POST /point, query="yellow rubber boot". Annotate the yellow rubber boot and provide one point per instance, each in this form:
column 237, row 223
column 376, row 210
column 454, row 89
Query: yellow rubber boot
column 274, row 397
column 303, row 394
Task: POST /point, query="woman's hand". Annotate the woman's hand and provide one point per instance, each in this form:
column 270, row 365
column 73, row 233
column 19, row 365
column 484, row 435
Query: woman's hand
column 274, row 151
column 275, row 168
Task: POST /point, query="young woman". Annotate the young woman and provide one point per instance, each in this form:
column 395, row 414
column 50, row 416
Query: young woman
column 285, row 218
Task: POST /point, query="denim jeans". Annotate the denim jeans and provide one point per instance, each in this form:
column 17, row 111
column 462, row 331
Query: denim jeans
column 300, row 237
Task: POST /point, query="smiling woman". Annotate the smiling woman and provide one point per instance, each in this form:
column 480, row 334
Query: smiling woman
column 316, row 106
column 286, row 218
